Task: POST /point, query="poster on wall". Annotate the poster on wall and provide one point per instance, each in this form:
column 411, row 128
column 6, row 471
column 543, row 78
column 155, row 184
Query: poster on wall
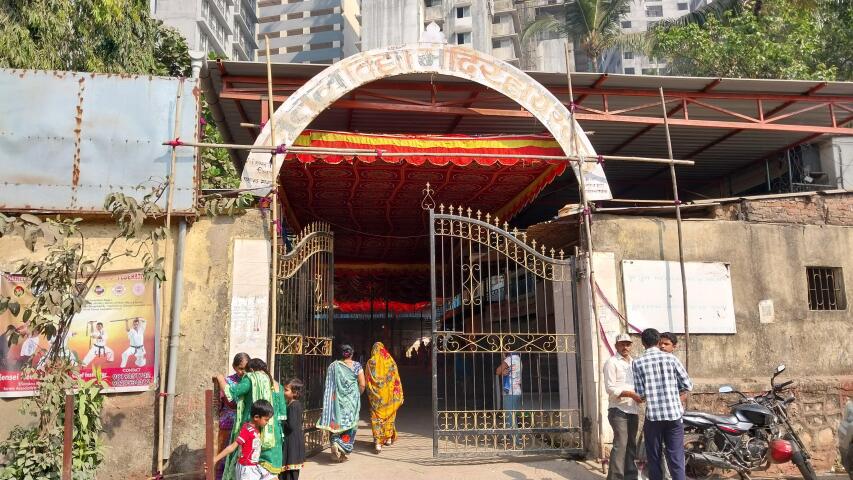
column 653, row 296
column 117, row 330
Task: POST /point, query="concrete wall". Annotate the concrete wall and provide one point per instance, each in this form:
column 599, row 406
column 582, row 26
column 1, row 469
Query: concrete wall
column 768, row 253
column 390, row 22
column 130, row 419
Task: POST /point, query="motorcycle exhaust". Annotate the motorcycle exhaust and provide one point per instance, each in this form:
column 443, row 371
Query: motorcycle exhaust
column 709, row 459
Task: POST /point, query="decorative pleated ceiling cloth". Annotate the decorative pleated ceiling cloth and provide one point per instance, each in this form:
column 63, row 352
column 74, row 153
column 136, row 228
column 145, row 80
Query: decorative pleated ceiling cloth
column 374, row 202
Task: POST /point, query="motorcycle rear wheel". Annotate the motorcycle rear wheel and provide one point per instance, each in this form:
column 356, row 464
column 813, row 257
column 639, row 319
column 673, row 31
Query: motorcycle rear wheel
column 696, row 443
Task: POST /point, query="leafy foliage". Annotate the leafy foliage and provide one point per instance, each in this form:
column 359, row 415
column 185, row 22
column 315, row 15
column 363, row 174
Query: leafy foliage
column 108, row 36
column 217, row 168
column 36, row 453
column 59, row 284
column 782, row 39
column 61, row 281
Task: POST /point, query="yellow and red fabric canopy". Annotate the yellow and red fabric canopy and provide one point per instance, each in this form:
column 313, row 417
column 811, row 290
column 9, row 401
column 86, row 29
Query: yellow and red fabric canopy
column 374, row 202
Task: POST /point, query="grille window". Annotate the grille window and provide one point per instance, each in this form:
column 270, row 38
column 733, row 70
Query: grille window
column 826, row 288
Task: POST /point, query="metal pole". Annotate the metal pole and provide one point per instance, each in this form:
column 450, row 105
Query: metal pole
column 432, row 334
column 209, row 436
column 587, row 217
column 174, row 336
column 376, row 153
column 680, row 235
column 68, row 437
column 274, row 214
column 161, row 412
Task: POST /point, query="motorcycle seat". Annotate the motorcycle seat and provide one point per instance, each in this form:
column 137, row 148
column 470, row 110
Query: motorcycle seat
column 716, row 419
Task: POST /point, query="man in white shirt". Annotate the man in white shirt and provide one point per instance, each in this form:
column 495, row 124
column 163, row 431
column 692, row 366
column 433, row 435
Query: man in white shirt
column 99, row 346
column 510, row 372
column 622, row 411
column 136, row 335
column 28, row 349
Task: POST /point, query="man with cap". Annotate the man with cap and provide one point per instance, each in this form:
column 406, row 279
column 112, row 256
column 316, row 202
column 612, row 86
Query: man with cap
column 622, row 411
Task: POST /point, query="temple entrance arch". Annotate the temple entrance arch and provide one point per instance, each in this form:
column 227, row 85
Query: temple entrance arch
column 551, row 434
column 319, row 93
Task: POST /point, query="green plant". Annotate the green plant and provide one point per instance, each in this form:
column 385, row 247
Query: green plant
column 36, row 453
column 782, row 40
column 59, row 283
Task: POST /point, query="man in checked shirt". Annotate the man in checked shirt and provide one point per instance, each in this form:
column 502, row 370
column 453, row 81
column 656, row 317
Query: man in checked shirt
column 661, row 380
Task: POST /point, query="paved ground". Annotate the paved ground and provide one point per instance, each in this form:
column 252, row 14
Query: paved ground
column 411, row 459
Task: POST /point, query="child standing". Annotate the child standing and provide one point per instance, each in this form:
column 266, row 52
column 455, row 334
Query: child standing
column 249, row 442
column 294, row 443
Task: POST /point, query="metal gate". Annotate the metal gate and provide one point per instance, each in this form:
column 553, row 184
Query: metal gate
column 496, row 297
column 303, row 339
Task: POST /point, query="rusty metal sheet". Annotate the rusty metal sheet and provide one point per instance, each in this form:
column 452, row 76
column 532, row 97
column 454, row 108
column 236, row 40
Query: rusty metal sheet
column 68, row 139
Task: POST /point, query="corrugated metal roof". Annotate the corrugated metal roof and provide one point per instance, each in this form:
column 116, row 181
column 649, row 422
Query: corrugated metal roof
column 714, row 161
column 68, row 139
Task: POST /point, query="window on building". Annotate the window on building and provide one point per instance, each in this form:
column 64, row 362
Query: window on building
column 294, row 49
column 463, row 12
column 682, row 6
column 294, row 16
column 294, row 32
column 432, row 3
column 463, row 38
column 628, row 55
column 322, row 28
column 650, row 71
column 654, row 11
column 321, row 46
column 629, row 71
column 626, row 24
column 325, row 11
column 826, row 288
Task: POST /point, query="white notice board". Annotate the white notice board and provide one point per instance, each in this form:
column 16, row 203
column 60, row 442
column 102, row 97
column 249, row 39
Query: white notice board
column 653, row 296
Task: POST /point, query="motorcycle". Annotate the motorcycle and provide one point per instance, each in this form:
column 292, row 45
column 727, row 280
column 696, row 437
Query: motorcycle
column 756, row 434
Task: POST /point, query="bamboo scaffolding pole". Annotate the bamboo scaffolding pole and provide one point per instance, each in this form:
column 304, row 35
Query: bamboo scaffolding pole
column 170, row 197
column 274, row 214
column 589, row 249
column 637, row 200
column 680, row 235
column 379, row 153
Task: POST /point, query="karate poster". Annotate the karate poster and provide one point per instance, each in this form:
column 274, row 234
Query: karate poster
column 117, row 330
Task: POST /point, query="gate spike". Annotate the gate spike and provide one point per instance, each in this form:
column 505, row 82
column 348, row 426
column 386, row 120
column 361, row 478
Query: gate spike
column 478, row 215
column 451, row 209
column 488, row 218
column 515, row 232
column 552, row 253
column 506, row 225
column 459, row 208
column 534, row 244
column 441, row 208
column 524, row 237
column 469, row 212
column 543, row 249
column 561, row 254
column 497, row 221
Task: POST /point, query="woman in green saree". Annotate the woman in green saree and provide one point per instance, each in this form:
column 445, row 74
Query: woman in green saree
column 257, row 384
column 342, row 403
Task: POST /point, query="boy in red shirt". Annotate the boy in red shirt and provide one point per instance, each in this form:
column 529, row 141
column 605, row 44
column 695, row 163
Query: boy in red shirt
column 249, row 442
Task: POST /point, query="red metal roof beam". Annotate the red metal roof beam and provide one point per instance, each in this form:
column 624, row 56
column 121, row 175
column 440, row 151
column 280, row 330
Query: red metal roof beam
column 684, row 101
column 597, row 83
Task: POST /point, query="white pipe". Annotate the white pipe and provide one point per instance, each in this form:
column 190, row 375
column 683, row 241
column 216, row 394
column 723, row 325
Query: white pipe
column 174, row 337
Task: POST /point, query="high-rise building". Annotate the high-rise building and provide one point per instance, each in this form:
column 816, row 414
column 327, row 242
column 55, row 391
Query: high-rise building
column 489, row 26
column 644, row 15
column 226, row 27
column 309, row 31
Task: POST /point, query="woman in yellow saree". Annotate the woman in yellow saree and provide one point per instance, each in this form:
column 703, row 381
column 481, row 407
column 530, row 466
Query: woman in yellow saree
column 385, row 393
